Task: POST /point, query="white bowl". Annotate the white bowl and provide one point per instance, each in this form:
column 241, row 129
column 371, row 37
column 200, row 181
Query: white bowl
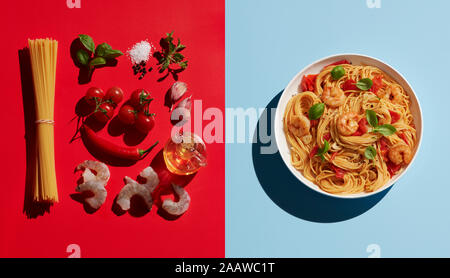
column 314, row 68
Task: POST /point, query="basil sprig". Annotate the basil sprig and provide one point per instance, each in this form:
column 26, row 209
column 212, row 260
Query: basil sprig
column 316, row 111
column 370, row 152
column 337, row 72
column 385, row 129
column 364, row 84
column 95, row 56
column 322, row 151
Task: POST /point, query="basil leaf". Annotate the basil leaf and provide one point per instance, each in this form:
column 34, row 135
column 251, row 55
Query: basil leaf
column 364, row 84
column 178, row 57
column 101, row 49
column 88, row 42
column 385, row 129
column 83, row 57
column 337, row 72
column 316, row 111
column 324, row 150
column 112, row 53
column 97, row 61
column 371, row 117
column 370, row 152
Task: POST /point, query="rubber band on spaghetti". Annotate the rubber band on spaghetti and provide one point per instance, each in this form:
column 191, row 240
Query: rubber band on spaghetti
column 50, row 122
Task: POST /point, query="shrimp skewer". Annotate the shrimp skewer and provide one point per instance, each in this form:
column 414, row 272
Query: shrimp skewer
column 180, row 207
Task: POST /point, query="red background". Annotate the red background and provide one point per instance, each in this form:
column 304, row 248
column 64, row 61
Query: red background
column 200, row 232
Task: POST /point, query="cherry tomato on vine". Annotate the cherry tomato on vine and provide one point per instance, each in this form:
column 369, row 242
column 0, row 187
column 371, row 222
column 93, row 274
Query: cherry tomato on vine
column 140, row 98
column 104, row 113
column 93, row 94
column 114, row 95
column 144, row 122
column 127, row 114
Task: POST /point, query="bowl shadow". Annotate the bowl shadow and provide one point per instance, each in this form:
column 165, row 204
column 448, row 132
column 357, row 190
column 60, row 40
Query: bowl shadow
column 293, row 196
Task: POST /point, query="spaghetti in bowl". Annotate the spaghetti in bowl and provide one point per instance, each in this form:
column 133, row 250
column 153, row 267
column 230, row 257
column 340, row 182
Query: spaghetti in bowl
column 348, row 126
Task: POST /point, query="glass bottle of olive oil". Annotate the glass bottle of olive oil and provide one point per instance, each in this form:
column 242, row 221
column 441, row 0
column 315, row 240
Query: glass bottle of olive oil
column 185, row 154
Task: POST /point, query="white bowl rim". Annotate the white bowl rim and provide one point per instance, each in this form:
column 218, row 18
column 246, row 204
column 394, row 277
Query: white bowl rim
column 279, row 133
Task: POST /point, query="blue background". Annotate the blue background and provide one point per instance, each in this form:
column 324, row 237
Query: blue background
column 267, row 43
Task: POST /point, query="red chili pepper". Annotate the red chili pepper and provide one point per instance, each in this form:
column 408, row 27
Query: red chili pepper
column 349, row 85
column 394, row 116
column 363, row 128
column 327, row 136
column 126, row 153
column 308, row 82
column 403, row 136
column 393, row 168
column 377, row 84
column 339, row 172
column 313, row 151
column 341, row 62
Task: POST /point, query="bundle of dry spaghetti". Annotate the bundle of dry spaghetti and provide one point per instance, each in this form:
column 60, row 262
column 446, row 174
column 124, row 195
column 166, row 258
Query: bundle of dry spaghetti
column 43, row 53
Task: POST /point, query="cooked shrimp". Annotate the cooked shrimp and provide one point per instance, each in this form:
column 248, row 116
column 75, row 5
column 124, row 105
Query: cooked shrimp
column 180, row 207
column 96, row 187
column 333, row 96
column 347, row 123
column 100, row 168
column 392, row 93
column 300, row 125
column 129, row 190
column 400, row 154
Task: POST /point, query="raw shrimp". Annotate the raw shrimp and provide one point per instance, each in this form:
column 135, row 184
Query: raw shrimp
column 400, row 154
column 151, row 177
column 392, row 93
column 180, row 207
column 333, row 96
column 94, row 183
column 347, row 123
column 129, row 190
column 142, row 189
column 300, row 125
column 95, row 186
column 100, row 168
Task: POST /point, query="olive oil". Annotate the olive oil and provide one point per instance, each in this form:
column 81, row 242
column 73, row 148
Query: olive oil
column 185, row 154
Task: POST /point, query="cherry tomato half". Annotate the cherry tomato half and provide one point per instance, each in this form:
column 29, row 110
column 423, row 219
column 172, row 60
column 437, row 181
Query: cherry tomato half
column 93, row 94
column 140, row 98
column 114, row 95
column 104, row 113
column 144, row 123
column 127, row 114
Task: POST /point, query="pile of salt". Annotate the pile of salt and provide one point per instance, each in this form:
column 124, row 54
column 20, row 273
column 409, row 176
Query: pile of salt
column 139, row 55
